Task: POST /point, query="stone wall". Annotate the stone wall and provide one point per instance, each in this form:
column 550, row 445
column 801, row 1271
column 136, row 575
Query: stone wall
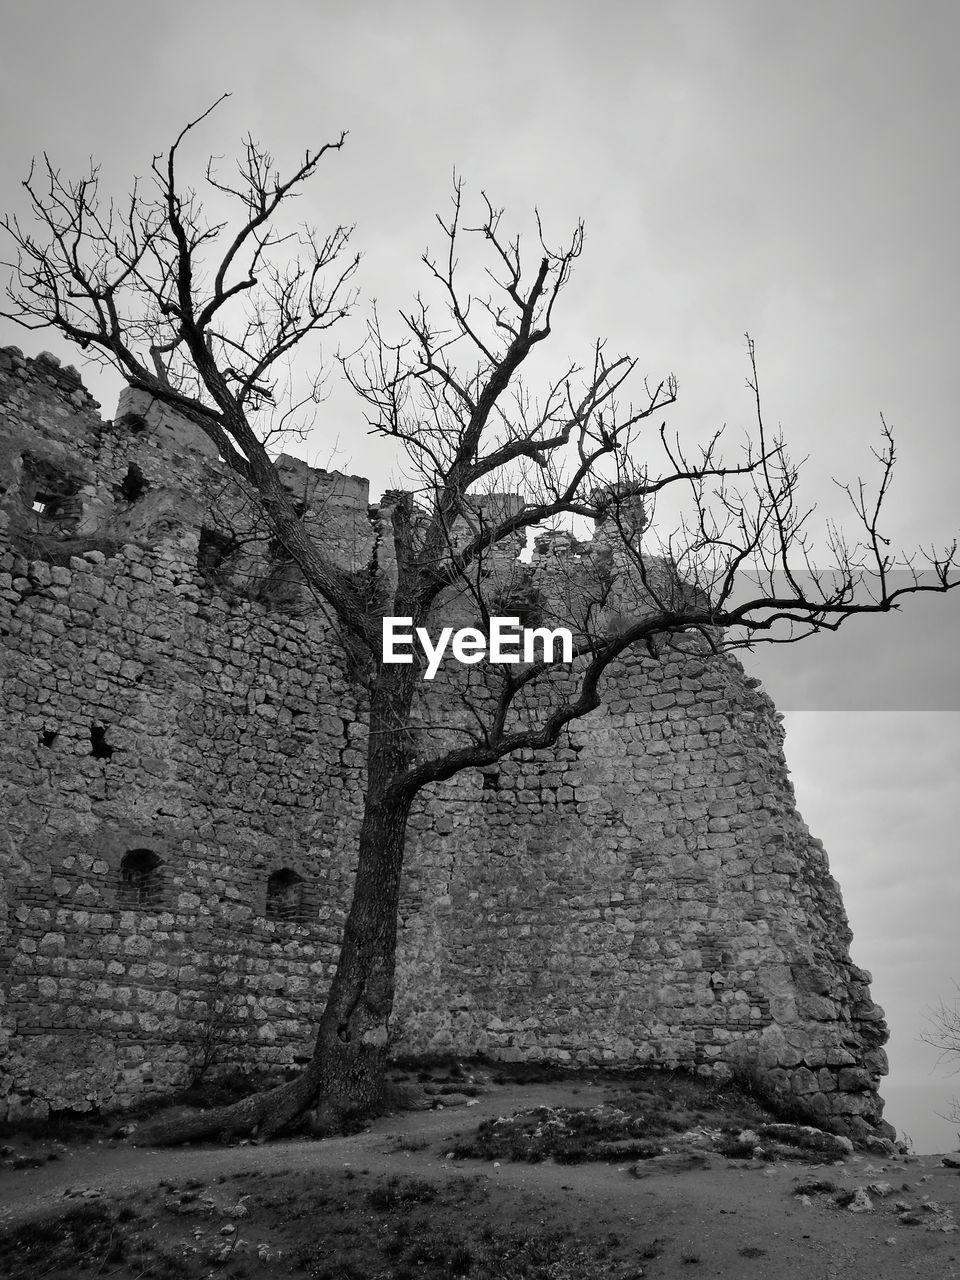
column 181, row 773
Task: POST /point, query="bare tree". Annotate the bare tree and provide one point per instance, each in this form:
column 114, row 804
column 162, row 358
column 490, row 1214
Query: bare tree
column 944, row 1036
column 202, row 315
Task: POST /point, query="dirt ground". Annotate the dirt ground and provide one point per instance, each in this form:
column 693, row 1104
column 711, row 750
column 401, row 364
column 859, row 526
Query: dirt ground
column 393, row 1203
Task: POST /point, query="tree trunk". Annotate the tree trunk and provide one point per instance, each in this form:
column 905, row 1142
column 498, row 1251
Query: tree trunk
column 346, row 1073
column 347, row 1069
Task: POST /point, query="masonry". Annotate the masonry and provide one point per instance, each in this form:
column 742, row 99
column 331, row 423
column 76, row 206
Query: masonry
column 181, row 774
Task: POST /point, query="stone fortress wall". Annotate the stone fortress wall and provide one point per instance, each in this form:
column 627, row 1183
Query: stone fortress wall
column 181, row 771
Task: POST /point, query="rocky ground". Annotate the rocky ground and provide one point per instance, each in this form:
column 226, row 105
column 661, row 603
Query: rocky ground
column 545, row 1180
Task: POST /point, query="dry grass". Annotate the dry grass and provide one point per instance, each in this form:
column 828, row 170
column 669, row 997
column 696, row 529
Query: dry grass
column 335, row 1228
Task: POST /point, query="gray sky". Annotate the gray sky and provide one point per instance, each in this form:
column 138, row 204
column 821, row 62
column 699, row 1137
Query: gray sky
column 783, row 169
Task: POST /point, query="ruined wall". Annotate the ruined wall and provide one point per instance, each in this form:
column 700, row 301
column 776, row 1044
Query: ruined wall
column 181, row 769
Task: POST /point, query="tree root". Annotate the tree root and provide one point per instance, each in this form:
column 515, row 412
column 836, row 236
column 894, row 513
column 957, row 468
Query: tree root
column 264, row 1114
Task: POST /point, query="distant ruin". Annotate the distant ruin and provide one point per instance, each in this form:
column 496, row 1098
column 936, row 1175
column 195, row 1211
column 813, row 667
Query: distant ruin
column 181, row 772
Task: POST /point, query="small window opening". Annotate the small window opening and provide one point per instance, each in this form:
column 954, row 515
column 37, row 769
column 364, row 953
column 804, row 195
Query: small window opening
column 284, row 579
column 214, row 551
column 133, row 422
column 48, row 737
column 100, row 748
column 285, row 896
column 520, row 600
column 141, row 880
column 55, row 507
column 491, row 781
column 52, row 496
column 133, row 485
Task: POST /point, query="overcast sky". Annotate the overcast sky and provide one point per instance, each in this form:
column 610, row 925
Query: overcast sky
column 756, row 166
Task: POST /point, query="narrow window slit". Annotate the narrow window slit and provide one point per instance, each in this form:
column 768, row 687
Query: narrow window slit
column 133, row 485
column 141, row 881
column 285, row 896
